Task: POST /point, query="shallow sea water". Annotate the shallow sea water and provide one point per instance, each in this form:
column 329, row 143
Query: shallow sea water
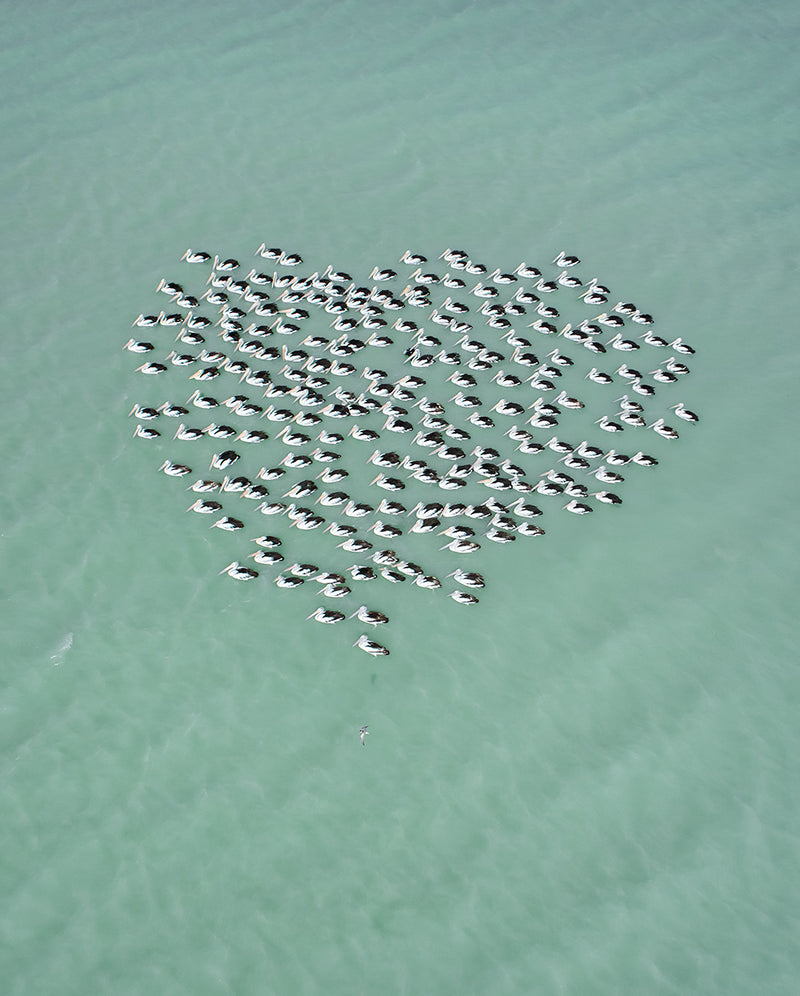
column 584, row 785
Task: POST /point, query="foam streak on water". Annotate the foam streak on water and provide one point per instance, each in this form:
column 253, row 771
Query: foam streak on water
column 586, row 785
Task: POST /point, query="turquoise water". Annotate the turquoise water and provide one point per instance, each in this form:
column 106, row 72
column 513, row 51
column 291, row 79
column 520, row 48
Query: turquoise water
column 585, row 785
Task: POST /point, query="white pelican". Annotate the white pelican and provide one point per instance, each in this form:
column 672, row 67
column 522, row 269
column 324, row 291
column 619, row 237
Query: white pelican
column 684, row 413
column 468, row 578
column 322, row 615
column 145, row 432
column 608, row 497
column 568, row 402
column 464, row 598
column 562, row 259
column 135, row 346
column 239, row 573
column 663, row 430
column 184, row 432
column 204, row 507
column 599, row 377
column 288, row 581
column 145, row 414
column 579, row 508
column 268, row 558
column 626, row 345
column 371, row 647
column 370, row 616
column 378, row 274
column 228, row 523
column 174, row 469
column 606, row 423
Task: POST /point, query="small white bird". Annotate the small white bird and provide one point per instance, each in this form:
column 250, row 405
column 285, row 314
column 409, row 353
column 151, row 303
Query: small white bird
column 363, row 734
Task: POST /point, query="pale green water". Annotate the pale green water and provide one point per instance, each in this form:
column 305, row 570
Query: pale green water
column 585, row 786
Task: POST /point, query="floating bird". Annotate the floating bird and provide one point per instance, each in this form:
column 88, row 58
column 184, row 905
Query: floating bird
column 371, row 647
column 239, row 573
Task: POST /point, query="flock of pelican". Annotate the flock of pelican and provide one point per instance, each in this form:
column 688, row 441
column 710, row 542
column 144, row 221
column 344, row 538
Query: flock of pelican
column 440, row 376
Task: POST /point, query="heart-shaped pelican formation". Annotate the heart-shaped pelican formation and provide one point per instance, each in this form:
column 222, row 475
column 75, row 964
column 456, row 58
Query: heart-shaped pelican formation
column 280, row 392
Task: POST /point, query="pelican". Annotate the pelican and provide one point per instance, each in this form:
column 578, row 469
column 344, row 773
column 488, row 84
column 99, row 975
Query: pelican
column 626, row 345
column 566, row 280
column 562, row 259
column 593, row 346
column 378, row 274
column 271, row 508
column 335, row 591
column 468, row 578
column 458, row 532
column 146, row 320
column 427, row 581
column 461, row 546
column 288, row 581
column 134, row 346
column 568, row 402
column 239, row 573
column 340, row 529
column 228, row 523
column 144, row 432
column 221, row 461
column 524, row 510
column 203, row 487
column 268, row 542
column 370, row 617
column 357, row 510
column 663, row 430
column 392, row 576
column 174, row 469
column 207, row 373
column 412, row 259
column 684, row 413
column 236, row 485
column 608, row 476
column 644, row 460
column 187, row 433
column 647, row 390
column 201, row 401
column 606, row 423
column 559, row 445
column 145, row 414
column 500, row 536
column 204, row 507
column 681, row 347
column 674, row 367
column 371, row 647
column 268, row 558
column 151, row 368
column 388, row 483
column 608, row 497
column 511, row 408
column 579, row 508
column 385, row 530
